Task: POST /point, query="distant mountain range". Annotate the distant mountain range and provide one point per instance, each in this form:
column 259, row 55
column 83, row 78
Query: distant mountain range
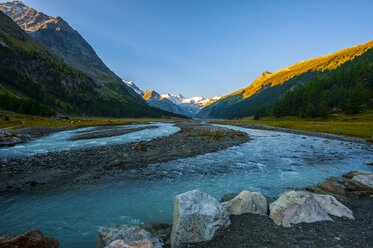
column 271, row 87
column 174, row 103
column 49, row 67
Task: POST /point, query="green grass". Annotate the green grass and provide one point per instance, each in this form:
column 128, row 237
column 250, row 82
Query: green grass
column 359, row 125
column 39, row 121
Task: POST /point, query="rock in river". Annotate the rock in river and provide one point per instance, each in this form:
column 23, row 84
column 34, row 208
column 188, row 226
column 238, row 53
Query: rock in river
column 331, row 187
column 127, row 236
column 351, row 174
column 295, row 207
column 247, row 202
column 197, row 218
column 30, row 239
column 361, row 183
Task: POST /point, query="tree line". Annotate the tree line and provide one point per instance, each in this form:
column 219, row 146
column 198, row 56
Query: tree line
column 347, row 89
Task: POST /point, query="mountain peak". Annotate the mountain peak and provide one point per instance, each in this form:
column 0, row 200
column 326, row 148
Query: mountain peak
column 151, row 94
column 133, row 86
column 266, row 73
column 31, row 20
column 62, row 40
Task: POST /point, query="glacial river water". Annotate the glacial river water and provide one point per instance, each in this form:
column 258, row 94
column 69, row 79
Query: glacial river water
column 269, row 163
column 61, row 140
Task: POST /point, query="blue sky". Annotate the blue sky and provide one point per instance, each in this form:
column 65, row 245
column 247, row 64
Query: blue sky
column 202, row 47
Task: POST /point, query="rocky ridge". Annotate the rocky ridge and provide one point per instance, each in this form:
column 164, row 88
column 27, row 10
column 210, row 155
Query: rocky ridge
column 56, row 34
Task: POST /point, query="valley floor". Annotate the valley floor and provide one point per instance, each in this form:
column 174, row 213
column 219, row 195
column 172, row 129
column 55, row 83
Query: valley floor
column 12, row 121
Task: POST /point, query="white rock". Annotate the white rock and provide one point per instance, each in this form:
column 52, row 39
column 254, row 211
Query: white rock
column 136, row 244
column 361, row 183
column 128, row 234
column 197, row 218
column 247, row 202
column 295, row 207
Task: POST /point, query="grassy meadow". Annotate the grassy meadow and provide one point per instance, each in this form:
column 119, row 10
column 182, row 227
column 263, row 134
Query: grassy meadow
column 359, row 125
column 38, row 121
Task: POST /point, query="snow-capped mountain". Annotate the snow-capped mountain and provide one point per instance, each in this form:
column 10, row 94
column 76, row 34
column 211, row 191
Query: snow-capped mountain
column 133, row 86
column 174, row 103
column 198, row 100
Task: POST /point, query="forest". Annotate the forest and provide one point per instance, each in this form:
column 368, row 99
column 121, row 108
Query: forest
column 34, row 81
column 347, row 89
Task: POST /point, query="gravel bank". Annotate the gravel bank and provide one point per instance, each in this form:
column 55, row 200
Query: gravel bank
column 37, row 132
column 251, row 230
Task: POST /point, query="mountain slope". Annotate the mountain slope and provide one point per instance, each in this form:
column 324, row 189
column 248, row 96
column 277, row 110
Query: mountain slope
column 57, row 35
column 269, row 87
column 34, row 80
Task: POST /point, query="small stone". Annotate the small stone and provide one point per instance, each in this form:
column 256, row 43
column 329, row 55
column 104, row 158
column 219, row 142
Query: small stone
column 351, row 174
column 135, row 244
column 30, row 239
column 332, row 187
column 362, row 182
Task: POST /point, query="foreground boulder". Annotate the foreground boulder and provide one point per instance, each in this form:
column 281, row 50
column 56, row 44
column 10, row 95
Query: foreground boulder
column 30, row 239
column 362, row 182
column 197, row 218
column 126, row 236
column 247, row 202
column 295, row 207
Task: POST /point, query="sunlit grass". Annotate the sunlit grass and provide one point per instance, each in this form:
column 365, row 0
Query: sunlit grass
column 359, row 125
column 39, row 121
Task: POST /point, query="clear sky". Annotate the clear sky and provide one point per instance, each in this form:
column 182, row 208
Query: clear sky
column 202, row 47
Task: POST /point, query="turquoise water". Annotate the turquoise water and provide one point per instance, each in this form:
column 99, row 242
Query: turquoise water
column 61, row 140
column 268, row 164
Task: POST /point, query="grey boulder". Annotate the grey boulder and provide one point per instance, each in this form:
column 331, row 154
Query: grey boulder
column 197, row 218
column 295, row 207
column 363, row 182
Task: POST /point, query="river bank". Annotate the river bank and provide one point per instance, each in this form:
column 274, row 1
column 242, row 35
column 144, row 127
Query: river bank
column 302, row 132
column 49, row 171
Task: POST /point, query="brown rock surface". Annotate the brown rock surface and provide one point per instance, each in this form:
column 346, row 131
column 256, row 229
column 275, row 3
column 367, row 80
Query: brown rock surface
column 351, row 174
column 30, row 239
column 332, row 187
